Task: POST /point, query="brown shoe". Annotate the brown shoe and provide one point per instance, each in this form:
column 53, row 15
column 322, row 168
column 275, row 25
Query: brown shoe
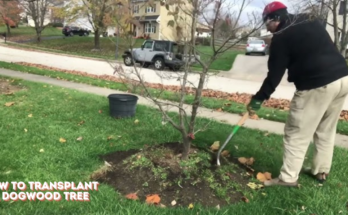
column 320, row 177
column 278, row 182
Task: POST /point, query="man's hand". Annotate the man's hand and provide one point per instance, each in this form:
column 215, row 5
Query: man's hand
column 253, row 106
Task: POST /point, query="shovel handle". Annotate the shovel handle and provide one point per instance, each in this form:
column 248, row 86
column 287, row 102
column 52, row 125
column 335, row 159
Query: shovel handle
column 242, row 120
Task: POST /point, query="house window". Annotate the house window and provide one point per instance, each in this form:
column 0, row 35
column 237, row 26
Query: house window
column 150, row 28
column 136, row 9
column 150, row 9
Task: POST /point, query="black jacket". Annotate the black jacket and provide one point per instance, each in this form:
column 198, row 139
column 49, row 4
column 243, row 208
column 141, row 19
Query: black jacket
column 304, row 47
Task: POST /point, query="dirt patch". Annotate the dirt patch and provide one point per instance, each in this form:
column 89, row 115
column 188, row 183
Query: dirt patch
column 7, row 88
column 159, row 170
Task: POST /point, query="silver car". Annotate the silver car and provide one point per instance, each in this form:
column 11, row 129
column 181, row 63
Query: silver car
column 256, row 46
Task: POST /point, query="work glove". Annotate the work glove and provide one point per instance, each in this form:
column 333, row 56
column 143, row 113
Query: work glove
column 253, row 106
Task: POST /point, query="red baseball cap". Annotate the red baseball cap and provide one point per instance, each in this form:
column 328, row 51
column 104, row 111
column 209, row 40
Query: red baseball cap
column 271, row 8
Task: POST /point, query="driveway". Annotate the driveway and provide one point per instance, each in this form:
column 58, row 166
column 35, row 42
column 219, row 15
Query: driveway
column 251, row 68
column 100, row 67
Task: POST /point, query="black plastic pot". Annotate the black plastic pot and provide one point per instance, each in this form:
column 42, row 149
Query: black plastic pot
column 122, row 105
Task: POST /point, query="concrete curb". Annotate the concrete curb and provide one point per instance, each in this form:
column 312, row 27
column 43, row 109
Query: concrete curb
column 228, row 118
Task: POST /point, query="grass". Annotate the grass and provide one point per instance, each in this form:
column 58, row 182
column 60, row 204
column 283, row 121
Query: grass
column 56, row 113
column 30, row 31
column 212, row 103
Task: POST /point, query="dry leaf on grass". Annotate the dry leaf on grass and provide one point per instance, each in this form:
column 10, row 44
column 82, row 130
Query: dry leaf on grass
column 153, row 199
column 215, row 146
column 82, row 122
column 8, row 104
column 62, row 140
column 264, row 176
column 246, row 161
column 190, row 206
column 30, row 115
column 173, row 203
column 255, row 117
column 100, row 111
column 132, row 196
column 254, row 186
column 79, row 139
column 136, row 121
column 245, row 199
column 225, row 153
column 25, row 130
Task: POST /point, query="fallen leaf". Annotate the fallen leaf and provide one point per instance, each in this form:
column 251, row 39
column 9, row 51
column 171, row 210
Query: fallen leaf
column 173, row 203
column 110, row 137
column 79, row 139
column 62, row 140
column 303, row 208
column 132, row 196
column 136, row 121
column 225, row 153
column 8, row 104
column 190, row 206
column 82, row 122
column 264, row 194
column 266, row 134
column 219, row 109
column 264, row 176
column 255, row 117
column 153, row 199
column 25, row 130
column 30, row 115
column 162, row 205
column 245, row 199
column 254, row 186
column 217, row 207
column 107, row 164
column 9, row 93
column 246, row 161
column 100, row 111
column 215, row 146
column 41, row 150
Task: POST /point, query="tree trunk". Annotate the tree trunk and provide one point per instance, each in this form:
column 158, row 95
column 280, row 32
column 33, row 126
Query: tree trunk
column 38, row 37
column 97, row 39
column 187, row 145
column 8, row 30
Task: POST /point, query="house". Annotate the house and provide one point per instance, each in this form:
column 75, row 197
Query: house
column 153, row 21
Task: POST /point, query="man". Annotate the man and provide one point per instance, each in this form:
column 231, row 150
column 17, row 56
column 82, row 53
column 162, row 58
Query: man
column 319, row 72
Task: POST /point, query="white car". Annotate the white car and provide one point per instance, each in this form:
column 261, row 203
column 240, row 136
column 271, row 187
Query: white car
column 256, row 46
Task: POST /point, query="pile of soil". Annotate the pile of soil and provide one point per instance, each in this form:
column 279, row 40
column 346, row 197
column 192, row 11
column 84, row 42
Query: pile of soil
column 7, row 88
column 157, row 170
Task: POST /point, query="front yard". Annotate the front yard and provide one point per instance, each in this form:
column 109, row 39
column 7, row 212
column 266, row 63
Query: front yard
column 50, row 133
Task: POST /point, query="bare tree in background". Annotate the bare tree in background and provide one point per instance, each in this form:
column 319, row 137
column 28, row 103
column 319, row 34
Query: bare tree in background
column 37, row 10
column 185, row 17
column 334, row 14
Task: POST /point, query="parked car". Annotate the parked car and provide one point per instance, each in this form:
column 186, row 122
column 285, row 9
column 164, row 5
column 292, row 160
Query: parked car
column 73, row 30
column 256, row 46
column 160, row 53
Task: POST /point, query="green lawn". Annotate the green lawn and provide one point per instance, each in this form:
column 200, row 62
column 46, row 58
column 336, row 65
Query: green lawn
column 31, row 151
column 224, row 61
column 30, row 31
column 212, row 103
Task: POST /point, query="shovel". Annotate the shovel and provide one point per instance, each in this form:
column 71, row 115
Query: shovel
column 240, row 123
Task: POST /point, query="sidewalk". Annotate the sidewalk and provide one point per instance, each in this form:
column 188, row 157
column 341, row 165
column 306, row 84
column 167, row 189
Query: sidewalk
column 265, row 125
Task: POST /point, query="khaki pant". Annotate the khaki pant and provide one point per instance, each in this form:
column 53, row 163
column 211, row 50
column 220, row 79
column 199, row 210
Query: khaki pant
column 313, row 115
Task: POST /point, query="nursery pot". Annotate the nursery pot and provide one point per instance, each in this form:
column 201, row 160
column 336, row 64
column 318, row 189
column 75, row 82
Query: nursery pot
column 122, row 105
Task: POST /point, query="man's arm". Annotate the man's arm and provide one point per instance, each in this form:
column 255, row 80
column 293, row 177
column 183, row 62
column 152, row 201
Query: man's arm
column 277, row 64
